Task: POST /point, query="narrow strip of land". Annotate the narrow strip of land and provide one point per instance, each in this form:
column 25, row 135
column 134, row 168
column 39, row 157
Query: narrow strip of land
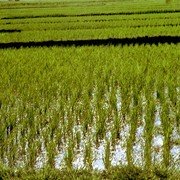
column 95, row 42
column 95, row 14
column 87, row 27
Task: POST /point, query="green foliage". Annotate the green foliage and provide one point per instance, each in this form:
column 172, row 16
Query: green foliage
column 73, row 100
column 112, row 173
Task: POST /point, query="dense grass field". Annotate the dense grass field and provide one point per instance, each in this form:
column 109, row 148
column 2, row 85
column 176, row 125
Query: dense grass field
column 90, row 89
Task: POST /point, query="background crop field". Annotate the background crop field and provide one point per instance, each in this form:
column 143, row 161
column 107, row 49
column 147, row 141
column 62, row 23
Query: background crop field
column 90, row 89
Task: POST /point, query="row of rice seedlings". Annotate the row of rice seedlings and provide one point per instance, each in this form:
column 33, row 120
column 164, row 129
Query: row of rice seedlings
column 107, row 155
column 67, row 8
column 149, row 129
column 91, row 24
column 84, row 34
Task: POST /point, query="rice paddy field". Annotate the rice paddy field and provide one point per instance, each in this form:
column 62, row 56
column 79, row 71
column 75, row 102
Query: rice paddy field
column 90, row 89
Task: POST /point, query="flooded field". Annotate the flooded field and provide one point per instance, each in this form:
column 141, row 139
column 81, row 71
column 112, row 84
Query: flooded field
column 84, row 107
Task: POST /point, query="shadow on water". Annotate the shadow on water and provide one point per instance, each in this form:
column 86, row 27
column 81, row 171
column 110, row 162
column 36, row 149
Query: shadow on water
column 96, row 14
column 96, row 42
